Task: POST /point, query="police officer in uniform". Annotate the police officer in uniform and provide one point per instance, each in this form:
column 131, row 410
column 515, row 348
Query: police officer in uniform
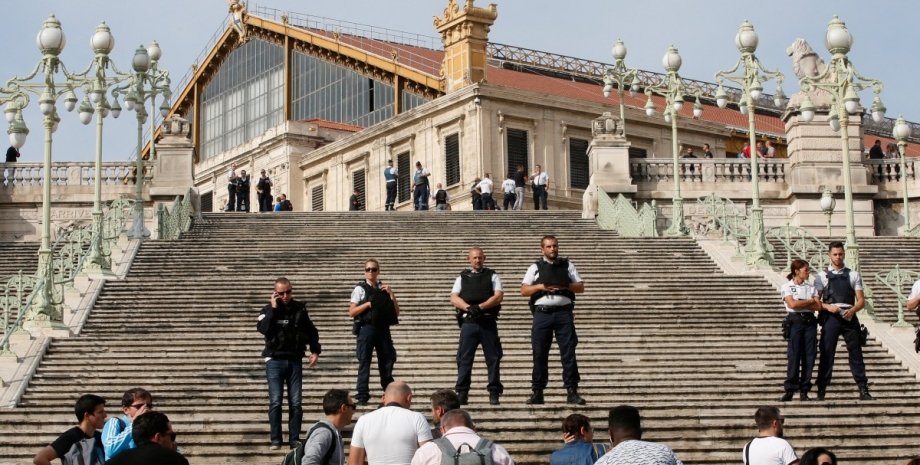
column 374, row 309
column 389, row 175
column 801, row 303
column 477, row 295
column 551, row 283
column 841, row 292
column 420, row 186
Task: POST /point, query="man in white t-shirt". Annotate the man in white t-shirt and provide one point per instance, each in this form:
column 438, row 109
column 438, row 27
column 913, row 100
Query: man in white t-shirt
column 391, row 434
column 485, row 186
column 540, row 182
column 913, row 300
column 508, row 189
column 769, row 447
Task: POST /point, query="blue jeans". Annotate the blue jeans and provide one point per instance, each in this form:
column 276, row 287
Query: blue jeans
column 279, row 374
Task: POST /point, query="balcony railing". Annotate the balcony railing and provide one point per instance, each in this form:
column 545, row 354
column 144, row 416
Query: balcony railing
column 719, row 170
column 889, row 170
column 69, row 174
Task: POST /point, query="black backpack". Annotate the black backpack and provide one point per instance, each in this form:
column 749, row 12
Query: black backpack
column 295, row 456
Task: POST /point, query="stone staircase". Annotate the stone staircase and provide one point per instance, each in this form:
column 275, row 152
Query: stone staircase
column 660, row 327
column 18, row 256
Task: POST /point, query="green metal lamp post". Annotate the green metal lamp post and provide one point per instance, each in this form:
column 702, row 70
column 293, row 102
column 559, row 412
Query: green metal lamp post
column 750, row 74
column 673, row 89
column 97, row 261
column 841, row 80
column 901, row 132
column 48, row 87
column 146, row 83
column 623, row 77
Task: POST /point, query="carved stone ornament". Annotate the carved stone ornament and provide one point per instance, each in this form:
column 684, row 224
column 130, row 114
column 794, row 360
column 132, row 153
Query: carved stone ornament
column 238, row 14
column 807, row 63
column 453, row 12
column 177, row 126
column 607, row 125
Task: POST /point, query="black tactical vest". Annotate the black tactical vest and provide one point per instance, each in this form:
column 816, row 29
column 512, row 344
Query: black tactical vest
column 839, row 290
column 476, row 288
column 552, row 273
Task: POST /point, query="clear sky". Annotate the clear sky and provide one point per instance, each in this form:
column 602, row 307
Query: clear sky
column 886, row 34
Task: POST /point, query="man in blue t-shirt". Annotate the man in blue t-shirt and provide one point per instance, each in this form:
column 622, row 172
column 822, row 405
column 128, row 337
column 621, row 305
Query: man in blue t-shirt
column 116, row 435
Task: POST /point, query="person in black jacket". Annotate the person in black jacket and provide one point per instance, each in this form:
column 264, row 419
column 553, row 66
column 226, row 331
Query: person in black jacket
column 288, row 331
column 156, row 443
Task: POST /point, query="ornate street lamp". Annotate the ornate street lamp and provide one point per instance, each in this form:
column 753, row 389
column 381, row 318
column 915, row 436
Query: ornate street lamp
column 827, row 206
column 841, row 80
column 146, row 83
column 901, row 132
column 49, row 88
column 96, row 86
column 673, row 90
column 750, row 74
column 623, row 77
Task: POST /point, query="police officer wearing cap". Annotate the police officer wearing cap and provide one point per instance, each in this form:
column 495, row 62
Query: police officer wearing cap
column 477, row 295
column 551, row 283
column 842, row 294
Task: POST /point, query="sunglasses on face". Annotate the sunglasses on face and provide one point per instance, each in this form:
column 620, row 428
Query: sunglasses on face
column 289, row 291
column 138, row 406
column 371, row 270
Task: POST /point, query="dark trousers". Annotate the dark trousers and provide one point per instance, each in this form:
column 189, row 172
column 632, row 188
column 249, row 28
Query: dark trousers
column 231, row 202
column 545, row 325
column 421, row 196
column 391, row 195
column 539, row 197
column 801, row 351
column 281, row 373
column 371, row 339
column 830, row 333
column 242, row 201
column 477, row 203
column 509, row 201
column 487, row 202
column 265, row 201
column 484, row 332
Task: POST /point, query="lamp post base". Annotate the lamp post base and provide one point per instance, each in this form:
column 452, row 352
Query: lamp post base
column 138, row 229
column 678, row 226
column 96, row 261
column 757, row 252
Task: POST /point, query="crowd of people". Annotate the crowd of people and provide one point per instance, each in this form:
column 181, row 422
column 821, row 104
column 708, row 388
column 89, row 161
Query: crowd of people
column 482, row 191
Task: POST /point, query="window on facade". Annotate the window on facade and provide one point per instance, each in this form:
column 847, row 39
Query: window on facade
column 358, row 184
column 636, row 152
column 403, row 176
column 243, row 98
column 327, row 91
column 207, row 202
column 517, row 149
column 316, row 199
column 452, row 159
column 410, row 100
column 578, row 163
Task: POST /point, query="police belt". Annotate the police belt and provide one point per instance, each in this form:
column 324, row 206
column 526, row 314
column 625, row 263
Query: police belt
column 553, row 308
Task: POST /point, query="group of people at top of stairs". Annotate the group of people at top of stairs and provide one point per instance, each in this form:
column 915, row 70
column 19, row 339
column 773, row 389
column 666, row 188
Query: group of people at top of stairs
column 238, row 190
column 481, row 191
column 141, row 436
column 831, row 302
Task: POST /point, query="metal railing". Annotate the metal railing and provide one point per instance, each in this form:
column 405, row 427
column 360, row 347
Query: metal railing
column 174, row 220
column 621, row 216
column 725, row 216
column 895, row 280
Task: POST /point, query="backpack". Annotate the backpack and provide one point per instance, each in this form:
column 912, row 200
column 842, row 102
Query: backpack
column 295, row 456
column 480, row 455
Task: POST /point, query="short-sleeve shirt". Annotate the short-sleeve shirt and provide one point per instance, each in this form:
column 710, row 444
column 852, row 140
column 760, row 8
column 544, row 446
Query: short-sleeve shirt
column 769, row 451
column 508, row 186
column 485, row 186
column 541, row 179
column 821, row 282
column 915, row 290
column 75, row 448
column 804, row 291
column 390, row 435
column 358, row 294
column 635, row 452
column 551, row 299
column 496, row 284
column 231, row 175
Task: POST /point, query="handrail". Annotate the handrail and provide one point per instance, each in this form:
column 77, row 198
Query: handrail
column 174, row 221
column 619, row 215
column 724, row 216
column 894, row 279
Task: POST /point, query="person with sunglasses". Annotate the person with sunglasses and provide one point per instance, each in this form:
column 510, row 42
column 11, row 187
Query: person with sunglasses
column 374, row 308
column 156, row 443
column 288, row 331
column 116, row 435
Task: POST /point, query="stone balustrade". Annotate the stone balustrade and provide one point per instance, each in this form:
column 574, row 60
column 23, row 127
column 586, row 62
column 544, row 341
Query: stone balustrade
column 708, row 170
column 25, row 175
column 889, row 170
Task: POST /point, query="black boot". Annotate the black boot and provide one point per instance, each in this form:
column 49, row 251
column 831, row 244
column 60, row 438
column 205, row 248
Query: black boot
column 864, row 393
column 464, row 398
column 803, row 396
column 536, row 398
column 493, row 398
column 573, row 397
column 822, row 391
column 787, row 396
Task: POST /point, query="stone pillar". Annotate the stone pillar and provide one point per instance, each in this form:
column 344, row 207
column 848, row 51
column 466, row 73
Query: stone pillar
column 608, row 156
column 173, row 168
column 464, row 35
column 816, row 164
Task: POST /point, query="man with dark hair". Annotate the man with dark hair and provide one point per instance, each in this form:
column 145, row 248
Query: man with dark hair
column 540, row 185
column 477, row 296
column 82, row 444
column 264, row 189
column 391, row 434
column 625, row 426
column 156, row 443
column 339, row 409
column 242, row 192
column 841, row 292
column 420, row 186
column 288, row 331
column 354, row 202
column 579, row 448
column 389, row 175
column 116, row 435
column 442, row 401
column 769, row 447
column 520, row 180
column 232, row 179
column 551, row 283
column 374, row 309
column 459, row 436
column 876, row 152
